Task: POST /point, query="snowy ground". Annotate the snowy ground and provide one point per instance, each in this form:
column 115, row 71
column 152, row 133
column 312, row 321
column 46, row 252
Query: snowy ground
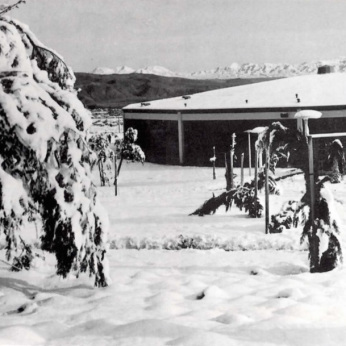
column 260, row 294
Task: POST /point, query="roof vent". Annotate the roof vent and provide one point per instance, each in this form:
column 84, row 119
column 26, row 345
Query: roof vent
column 325, row 69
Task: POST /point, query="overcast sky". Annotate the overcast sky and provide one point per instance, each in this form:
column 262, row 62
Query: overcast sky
column 187, row 35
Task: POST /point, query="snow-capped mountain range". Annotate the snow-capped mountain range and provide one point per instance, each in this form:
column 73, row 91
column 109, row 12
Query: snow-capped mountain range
column 235, row 70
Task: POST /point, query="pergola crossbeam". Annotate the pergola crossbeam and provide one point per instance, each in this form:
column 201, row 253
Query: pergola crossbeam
column 326, row 135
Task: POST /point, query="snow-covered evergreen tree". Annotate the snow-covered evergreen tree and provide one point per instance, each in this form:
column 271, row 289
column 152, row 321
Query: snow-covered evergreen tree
column 43, row 154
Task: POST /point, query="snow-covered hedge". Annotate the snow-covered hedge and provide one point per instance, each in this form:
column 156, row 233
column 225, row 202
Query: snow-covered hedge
column 236, row 243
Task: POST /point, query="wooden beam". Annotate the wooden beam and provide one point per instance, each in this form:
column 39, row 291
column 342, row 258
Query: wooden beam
column 256, row 175
column 181, row 138
column 242, row 169
column 311, row 179
column 326, row 135
column 266, row 172
column 249, row 142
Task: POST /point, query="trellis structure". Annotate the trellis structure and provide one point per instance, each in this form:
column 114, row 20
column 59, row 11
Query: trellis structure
column 303, row 126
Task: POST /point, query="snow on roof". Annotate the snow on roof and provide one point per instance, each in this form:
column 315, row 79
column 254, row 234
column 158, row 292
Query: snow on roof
column 301, row 91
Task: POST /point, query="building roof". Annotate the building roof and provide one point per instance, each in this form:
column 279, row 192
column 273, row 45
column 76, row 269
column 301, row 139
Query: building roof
column 310, row 91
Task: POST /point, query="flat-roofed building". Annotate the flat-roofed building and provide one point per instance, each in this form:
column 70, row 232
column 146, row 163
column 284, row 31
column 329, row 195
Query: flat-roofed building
column 183, row 130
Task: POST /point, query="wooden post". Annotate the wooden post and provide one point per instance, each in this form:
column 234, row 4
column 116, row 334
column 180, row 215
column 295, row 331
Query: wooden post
column 260, row 160
column 311, row 169
column 256, row 175
column 227, row 174
column 121, row 162
column 119, row 125
column 214, row 159
column 231, row 160
column 242, row 170
column 249, row 142
column 266, row 171
column 181, row 138
column 311, row 178
column 115, row 176
column 102, row 178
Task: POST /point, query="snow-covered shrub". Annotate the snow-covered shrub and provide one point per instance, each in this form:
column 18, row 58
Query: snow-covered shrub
column 43, row 153
column 104, row 157
column 258, row 241
column 336, row 161
column 292, row 214
column 128, row 149
column 274, row 189
column 242, row 196
column 322, row 231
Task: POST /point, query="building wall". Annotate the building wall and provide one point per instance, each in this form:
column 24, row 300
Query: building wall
column 201, row 136
column 159, row 138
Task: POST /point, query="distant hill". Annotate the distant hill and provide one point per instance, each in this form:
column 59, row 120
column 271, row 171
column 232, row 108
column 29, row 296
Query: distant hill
column 119, row 90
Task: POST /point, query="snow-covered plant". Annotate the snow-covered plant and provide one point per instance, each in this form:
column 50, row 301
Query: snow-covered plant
column 24, row 259
column 274, row 189
column 105, row 161
column 242, row 196
column 44, row 155
column 128, row 149
column 291, row 215
column 321, row 232
column 336, row 161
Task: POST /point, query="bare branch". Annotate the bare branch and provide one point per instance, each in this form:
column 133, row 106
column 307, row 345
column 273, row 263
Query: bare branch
column 10, row 7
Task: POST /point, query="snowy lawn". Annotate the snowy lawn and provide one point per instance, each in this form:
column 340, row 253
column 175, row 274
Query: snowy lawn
column 263, row 295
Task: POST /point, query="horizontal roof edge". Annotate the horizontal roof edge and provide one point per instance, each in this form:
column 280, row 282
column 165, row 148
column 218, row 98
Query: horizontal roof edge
column 236, row 110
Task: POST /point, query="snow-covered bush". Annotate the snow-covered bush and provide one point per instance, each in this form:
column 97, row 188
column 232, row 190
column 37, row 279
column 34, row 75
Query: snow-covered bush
column 321, row 232
column 43, row 153
column 253, row 242
column 107, row 149
column 292, row 214
column 242, row 196
column 336, row 161
column 128, row 149
column 103, row 156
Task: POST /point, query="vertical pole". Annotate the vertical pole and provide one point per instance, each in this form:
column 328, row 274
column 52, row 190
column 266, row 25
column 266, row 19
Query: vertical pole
column 306, row 126
column 300, row 125
column 231, row 160
column 256, row 175
column 121, row 162
column 231, row 168
column 102, row 179
column 249, row 142
column 227, row 174
column 242, row 170
column 214, row 159
column 266, row 171
column 115, row 175
column 181, row 138
column 312, row 179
